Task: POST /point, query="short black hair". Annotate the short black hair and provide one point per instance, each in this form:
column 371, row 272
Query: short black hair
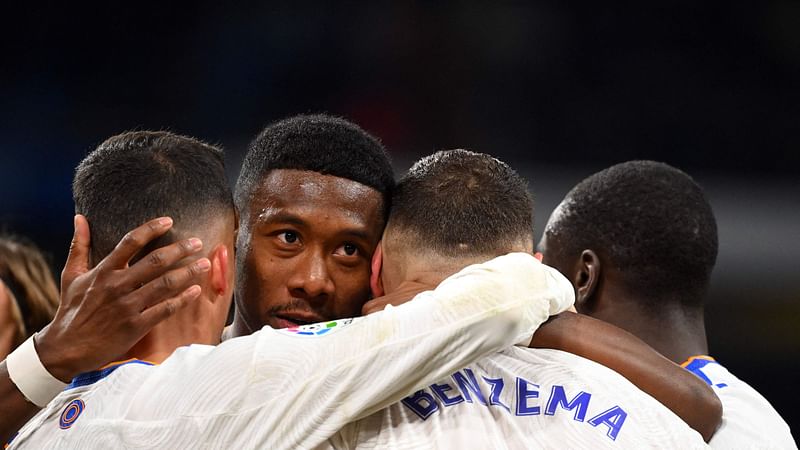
column 318, row 143
column 459, row 203
column 651, row 221
column 137, row 176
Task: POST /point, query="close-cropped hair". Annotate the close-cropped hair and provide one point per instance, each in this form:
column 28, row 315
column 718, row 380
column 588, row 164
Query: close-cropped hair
column 318, row 143
column 141, row 175
column 26, row 275
column 459, row 203
column 650, row 221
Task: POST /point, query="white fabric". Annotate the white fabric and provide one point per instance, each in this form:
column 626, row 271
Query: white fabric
column 277, row 389
column 30, row 376
column 748, row 419
column 518, row 408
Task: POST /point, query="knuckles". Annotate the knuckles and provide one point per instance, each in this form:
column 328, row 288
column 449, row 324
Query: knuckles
column 168, row 281
column 132, row 239
column 156, row 259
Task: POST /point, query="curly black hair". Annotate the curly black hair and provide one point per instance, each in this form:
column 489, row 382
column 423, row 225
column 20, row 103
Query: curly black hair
column 319, row 143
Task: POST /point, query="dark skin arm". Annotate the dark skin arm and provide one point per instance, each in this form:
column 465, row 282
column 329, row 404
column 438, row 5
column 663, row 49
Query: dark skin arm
column 687, row 396
column 104, row 311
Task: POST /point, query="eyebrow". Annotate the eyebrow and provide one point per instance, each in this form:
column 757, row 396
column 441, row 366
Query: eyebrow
column 357, row 234
column 280, row 217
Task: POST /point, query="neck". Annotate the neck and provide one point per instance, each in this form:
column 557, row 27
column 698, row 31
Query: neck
column 401, row 268
column 411, row 278
column 425, row 277
column 177, row 331
column 676, row 332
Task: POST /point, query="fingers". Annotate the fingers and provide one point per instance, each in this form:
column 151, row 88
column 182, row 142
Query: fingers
column 78, row 257
column 135, row 241
column 155, row 314
column 157, row 262
column 170, row 284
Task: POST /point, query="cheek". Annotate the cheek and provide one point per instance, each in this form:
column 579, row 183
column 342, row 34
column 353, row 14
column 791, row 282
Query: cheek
column 263, row 277
column 352, row 292
column 269, row 273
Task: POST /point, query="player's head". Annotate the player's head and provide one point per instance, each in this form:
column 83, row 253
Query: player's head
column 451, row 209
column 642, row 228
column 312, row 196
column 28, row 293
column 138, row 176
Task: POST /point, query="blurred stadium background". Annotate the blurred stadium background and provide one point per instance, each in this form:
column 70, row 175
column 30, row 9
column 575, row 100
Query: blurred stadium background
column 557, row 90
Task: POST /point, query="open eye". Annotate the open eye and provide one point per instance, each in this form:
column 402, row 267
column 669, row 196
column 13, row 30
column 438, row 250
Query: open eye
column 288, row 237
column 347, row 250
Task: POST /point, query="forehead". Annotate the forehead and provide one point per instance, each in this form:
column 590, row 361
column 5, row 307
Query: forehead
column 306, row 193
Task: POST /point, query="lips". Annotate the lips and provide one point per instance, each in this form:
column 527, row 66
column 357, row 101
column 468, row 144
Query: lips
column 295, row 319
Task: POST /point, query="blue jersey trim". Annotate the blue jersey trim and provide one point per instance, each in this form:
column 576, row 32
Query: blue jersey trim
column 88, row 378
column 696, row 364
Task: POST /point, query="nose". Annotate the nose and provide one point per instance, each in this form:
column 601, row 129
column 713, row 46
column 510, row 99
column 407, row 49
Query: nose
column 311, row 278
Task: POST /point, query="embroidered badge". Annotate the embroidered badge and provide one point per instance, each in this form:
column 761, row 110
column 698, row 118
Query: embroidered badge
column 71, row 412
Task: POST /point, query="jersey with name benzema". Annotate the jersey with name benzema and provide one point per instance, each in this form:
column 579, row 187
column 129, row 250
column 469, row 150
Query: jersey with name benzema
column 748, row 419
column 524, row 399
column 287, row 389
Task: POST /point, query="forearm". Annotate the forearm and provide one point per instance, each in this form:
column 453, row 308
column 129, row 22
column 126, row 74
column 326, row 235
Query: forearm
column 680, row 391
column 16, row 410
column 26, row 384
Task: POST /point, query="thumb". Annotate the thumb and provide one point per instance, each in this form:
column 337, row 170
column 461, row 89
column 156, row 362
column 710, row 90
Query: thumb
column 78, row 259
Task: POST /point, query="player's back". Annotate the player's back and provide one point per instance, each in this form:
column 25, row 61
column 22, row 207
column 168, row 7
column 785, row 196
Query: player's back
column 748, row 419
column 102, row 393
column 520, row 399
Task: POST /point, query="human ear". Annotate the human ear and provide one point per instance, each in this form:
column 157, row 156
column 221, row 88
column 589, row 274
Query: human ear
column 220, row 263
column 586, row 279
column 375, row 282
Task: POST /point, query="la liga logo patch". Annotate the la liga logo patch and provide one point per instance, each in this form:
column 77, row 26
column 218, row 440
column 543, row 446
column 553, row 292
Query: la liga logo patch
column 317, row 329
column 70, row 414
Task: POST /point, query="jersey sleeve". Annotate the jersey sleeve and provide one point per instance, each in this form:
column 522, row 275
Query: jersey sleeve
column 369, row 363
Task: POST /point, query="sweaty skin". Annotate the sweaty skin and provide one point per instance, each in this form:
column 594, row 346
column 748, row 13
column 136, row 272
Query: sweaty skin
column 304, row 250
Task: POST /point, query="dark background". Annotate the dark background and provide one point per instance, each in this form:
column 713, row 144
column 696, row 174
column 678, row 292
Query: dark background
column 556, row 89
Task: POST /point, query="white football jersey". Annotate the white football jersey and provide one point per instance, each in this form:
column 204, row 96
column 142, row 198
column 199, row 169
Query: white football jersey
column 748, row 420
column 523, row 399
column 294, row 388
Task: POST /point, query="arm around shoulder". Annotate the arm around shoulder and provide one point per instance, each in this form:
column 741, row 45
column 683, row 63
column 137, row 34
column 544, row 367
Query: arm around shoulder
column 689, row 397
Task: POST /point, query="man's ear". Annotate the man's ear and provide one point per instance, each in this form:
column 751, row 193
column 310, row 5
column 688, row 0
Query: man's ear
column 375, row 282
column 587, row 277
column 220, row 264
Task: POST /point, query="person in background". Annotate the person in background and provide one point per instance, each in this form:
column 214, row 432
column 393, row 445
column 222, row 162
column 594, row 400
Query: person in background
column 28, row 293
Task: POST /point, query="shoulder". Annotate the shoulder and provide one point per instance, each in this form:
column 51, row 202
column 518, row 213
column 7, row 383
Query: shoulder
column 748, row 419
